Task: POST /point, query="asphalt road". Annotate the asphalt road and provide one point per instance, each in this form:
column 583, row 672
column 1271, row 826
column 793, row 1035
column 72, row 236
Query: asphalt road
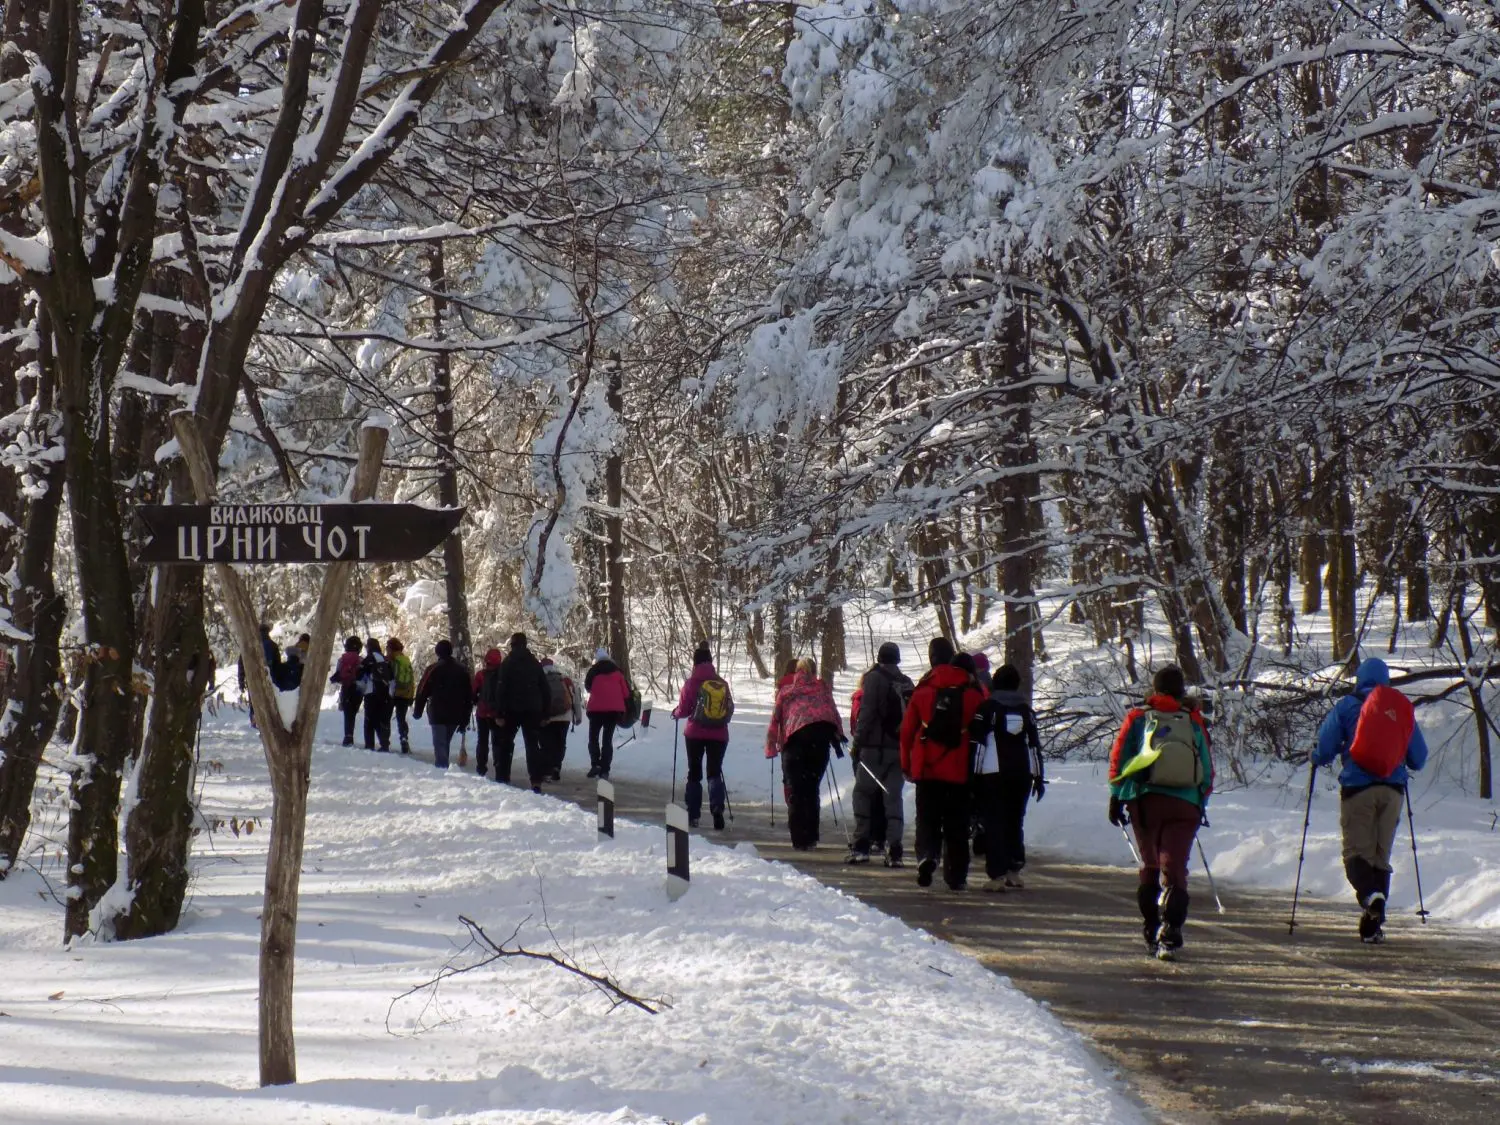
column 1249, row 1025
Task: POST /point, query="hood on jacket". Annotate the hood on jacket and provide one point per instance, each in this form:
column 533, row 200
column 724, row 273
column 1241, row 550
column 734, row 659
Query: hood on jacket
column 1372, row 673
column 605, row 666
column 1158, row 702
column 1009, row 697
column 601, row 654
column 948, row 676
column 493, row 657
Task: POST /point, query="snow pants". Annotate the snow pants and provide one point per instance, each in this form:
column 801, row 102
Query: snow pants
column 803, row 761
column 1368, row 819
column 943, row 828
column 602, row 738
column 697, row 750
column 878, row 813
column 554, row 746
column 1000, row 802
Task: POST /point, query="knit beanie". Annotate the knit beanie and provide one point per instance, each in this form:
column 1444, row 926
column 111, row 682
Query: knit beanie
column 939, row 651
column 890, row 653
column 1169, row 680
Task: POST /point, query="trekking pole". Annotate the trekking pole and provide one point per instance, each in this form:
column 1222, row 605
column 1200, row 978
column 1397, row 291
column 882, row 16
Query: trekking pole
column 1212, row 886
column 1422, row 910
column 838, row 804
column 1129, row 843
column 1312, row 778
column 675, row 726
column 772, row 763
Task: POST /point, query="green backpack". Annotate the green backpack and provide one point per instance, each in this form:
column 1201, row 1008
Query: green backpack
column 1169, row 757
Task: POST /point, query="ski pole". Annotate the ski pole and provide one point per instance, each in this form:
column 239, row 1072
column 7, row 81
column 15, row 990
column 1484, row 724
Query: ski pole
column 1422, row 910
column 675, row 726
column 875, row 779
column 1312, row 778
column 1212, row 886
column 838, row 804
column 772, row 763
column 1129, row 843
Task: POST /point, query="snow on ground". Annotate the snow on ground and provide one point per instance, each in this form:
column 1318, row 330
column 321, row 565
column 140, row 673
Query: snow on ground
column 790, row 1001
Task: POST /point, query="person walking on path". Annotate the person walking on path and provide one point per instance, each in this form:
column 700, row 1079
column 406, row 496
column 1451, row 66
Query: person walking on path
column 1160, row 778
column 518, row 698
column 936, row 754
column 403, row 688
column 375, row 679
column 805, row 723
column 1008, row 771
column 446, row 695
column 878, row 812
column 487, row 730
column 707, row 705
column 345, row 675
column 609, row 694
column 564, row 708
column 1374, row 733
column 293, row 662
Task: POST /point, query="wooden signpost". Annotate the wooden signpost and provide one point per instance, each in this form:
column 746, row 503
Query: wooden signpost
column 225, row 535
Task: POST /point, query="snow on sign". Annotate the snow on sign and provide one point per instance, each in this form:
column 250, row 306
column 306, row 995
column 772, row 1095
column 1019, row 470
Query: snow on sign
column 292, row 533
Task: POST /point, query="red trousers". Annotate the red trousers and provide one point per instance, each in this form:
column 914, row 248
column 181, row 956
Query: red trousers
column 1165, row 828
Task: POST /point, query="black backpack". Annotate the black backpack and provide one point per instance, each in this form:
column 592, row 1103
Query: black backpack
column 946, row 727
column 1012, row 753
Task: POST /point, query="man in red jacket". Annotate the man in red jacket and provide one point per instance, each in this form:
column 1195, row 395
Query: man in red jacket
column 935, row 755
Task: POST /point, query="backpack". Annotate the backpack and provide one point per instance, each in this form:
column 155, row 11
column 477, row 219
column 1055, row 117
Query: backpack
column 347, row 669
column 632, row 709
column 1386, row 722
column 559, row 693
column 405, row 676
column 946, row 727
column 1169, row 756
column 1012, row 753
column 854, row 701
column 715, row 706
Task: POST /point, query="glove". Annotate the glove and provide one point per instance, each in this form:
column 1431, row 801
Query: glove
column 838, row 748
column 1203, row 819
column 1119, row 815
column 1038, row 787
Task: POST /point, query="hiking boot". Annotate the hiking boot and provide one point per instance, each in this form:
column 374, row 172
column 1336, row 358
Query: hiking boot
column 997, row 885
column 1372, row 920
column 718, row 822
column 593, row 772
column 893, row 856
column 406, row 748
column 692, row 822
column 924, row 872
column 1149, row 932
column 1375, row 908
column 856, row 856
column 1014, row 881
column 1169, row 938
column 602, row 775
column 957, row 888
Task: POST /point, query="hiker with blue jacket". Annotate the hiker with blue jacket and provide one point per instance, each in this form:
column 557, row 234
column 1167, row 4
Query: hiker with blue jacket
column 1374, row 733
column 1160, row 778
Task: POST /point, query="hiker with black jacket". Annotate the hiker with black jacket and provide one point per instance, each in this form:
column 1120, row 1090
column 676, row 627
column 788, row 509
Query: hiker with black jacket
column 1374, row 732
column 519, row 699
column 884, row 692
column 1008, row 771
column 445, row 694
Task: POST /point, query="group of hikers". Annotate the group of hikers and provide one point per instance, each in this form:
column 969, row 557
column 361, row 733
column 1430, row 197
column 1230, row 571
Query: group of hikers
column 966, row 738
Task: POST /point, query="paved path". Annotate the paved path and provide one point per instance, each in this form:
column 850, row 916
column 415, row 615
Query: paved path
column 1251, row 1025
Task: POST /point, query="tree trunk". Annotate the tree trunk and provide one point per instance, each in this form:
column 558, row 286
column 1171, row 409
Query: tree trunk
column 278, row 919
column 159, row 827
column 1018, row 494
column 444, row 436
column 614, row 531
column 1343, row 578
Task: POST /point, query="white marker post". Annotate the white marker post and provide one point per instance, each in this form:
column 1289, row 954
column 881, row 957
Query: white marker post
column 677, row 852
column 606, row 808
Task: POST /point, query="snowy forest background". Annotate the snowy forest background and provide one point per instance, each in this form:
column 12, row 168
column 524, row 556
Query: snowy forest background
column 1172, row 322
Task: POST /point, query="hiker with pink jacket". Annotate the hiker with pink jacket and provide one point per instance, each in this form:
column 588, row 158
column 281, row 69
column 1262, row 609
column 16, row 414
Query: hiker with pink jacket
column 804, row 725
column 707, row 705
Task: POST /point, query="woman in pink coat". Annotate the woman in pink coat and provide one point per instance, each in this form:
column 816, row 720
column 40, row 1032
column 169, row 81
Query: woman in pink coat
column 707, row 705
column 609, row 693
column 805, row 723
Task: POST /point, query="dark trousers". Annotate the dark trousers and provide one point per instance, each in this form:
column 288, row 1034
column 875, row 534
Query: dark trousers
column 349, row 701
column 697, row 750
column 554, row 746
column 378, row 721
column 602, row 738
column 402, row 707
column 1165, row 828
column 485, row 733
column 943, row 828
column 803, row 761
column 1000, row 802
column 505, row 748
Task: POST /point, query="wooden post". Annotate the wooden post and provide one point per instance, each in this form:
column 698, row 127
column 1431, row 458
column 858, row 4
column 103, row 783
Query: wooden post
column 288, row 749
column 606, row 808
column 677, row 852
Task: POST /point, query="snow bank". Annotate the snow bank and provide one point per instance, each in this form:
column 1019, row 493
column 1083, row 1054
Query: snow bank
column 790, row 1002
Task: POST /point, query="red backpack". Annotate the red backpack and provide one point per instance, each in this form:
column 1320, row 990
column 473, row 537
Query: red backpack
column 1386, row 721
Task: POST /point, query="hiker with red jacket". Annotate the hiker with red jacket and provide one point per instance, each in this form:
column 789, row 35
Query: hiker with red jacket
column 707, row 705
column 609, row 696
column 346, row 675
column 935, row 755
column 485, row 733
column 1160, row 778
column 1374, row 732
column 804, row 724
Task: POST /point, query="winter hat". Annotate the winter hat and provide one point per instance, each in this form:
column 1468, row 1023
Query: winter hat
column 890, row 653
column 352, row 644
column 1007, row 678
column 939, row 651
column 1169, row 680
column 444, row 649
column 601, row 653
column 965, row 661
column 546, row 662
column 517, row 641
column 493, row 658
column 982, row 663
column 701, row 655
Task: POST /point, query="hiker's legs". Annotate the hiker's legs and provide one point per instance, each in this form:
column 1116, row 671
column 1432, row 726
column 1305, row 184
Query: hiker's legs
column 717, row 791
column 503, row 743
column 955, row 820
column 692, row 792
column 607, row 740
